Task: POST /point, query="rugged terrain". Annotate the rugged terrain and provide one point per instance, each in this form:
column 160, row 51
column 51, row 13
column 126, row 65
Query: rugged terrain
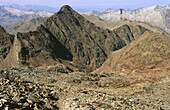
column 69, row 63
column 48, row 89
column 146, row 14
column 6, row 41
column 147, row 54
column 23, row 27
column 128, row 80
column 31, row 25
column 113, row 25
column 83, row 45
column 10, row 15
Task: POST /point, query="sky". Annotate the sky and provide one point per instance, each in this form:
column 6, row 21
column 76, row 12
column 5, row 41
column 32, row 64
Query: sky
column 87, row 5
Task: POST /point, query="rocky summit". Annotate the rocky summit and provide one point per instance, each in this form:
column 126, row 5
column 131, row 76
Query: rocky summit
column 69, row 63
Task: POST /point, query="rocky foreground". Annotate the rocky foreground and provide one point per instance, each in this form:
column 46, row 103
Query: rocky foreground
column 42, row 89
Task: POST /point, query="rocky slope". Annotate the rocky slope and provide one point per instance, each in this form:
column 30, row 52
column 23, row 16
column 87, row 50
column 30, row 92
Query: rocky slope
column 6, row 41
column 113, row 25
column 86, row 42
column 35, row 49
column 91, row 44
column 146, row 14
column 79, row 42
column 69, row 38
column 134, row 77
column 147, row 56
column 9, row 15
column 23, row 27
column 40, row 89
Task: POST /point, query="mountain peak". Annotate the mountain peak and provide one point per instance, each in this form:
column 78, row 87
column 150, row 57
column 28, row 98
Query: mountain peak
column 108, row 10
column 66, row 8
column 95, row 13
column 80, row 11
column 2, row 29
column 156, row 6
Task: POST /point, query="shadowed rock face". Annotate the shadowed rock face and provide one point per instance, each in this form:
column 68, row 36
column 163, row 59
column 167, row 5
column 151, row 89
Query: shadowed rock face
column 6, row 41
column 85, row 41
column 70, row 37
column 89, row 44
column 41, row 48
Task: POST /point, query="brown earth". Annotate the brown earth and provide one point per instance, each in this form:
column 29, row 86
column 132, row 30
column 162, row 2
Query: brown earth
column 52, row 88
column 148, row 56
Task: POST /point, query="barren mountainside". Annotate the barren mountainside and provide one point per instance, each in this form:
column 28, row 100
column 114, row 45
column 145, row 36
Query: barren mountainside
column 23, row 27
column 10, row 15
column 146, row 14
column 113, row 25
column 147, row 55
column 6, row 41
column 75, row 62
column 87, row 46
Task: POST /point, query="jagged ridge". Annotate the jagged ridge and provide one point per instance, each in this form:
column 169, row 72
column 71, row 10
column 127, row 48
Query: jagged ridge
column 85, row 45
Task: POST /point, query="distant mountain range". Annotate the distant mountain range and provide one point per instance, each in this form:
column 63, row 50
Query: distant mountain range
column 10, row 15
column 34, row 7
column 154, row 15
column 23, row 27
column 113, row 25
column 31, row 25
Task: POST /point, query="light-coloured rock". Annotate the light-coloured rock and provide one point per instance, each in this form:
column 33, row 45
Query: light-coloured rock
column 146, row 14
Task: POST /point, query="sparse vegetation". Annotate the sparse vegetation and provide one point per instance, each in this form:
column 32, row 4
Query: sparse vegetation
column 52, row 68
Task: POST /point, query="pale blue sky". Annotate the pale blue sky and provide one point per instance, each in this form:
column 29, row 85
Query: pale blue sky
column 99, row 5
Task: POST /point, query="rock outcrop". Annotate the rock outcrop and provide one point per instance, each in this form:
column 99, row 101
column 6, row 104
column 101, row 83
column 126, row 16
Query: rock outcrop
column 6, row 42
column 39, row 48
column 87, row 43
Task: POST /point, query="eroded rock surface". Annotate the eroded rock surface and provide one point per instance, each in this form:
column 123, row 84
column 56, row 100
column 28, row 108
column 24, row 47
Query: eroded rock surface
column 41, row 89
